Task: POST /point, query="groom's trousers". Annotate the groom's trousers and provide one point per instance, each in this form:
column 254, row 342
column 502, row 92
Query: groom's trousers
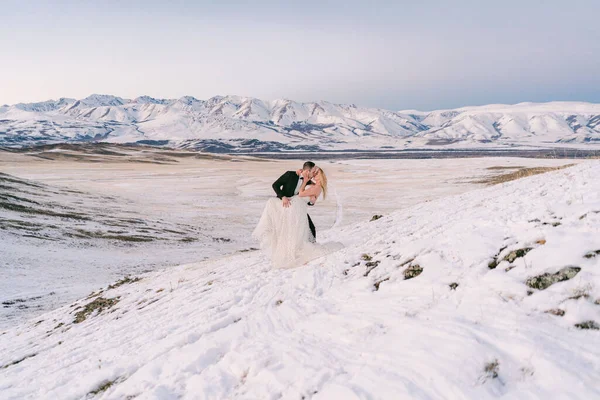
column 313, row 230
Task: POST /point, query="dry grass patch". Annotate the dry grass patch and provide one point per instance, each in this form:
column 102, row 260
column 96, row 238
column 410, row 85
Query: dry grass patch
column 518, row 174
column 556, row 311
column 491, row 369
column 588, row 325
column 379, row 282
column 123, row 281
column 99, row 304
column 18, row 361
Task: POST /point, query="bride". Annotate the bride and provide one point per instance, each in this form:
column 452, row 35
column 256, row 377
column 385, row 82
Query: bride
column 285, row 232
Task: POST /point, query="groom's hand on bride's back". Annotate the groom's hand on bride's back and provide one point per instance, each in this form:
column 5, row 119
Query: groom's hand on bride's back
column 285, row 201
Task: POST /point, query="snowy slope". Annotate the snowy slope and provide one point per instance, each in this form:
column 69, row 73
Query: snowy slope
column 350, row 325
column 223, row 123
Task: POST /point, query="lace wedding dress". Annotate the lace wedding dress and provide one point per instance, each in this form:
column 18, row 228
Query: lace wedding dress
column 285, row 233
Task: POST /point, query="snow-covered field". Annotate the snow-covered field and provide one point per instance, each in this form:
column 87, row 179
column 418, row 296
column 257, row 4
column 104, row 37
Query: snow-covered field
column 118, row 217
column 472, row 322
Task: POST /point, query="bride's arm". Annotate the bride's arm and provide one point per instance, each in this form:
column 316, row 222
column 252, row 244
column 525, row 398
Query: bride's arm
column 314, row 190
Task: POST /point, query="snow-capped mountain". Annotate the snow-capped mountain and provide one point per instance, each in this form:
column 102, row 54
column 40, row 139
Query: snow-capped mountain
column 225, row 123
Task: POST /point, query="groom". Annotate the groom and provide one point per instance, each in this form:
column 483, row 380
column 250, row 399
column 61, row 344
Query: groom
column 289, row 184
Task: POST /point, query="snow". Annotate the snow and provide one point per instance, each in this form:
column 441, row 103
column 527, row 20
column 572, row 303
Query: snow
column 233, row 328
column 187, row 197
column 99, row 100
column 323, row 124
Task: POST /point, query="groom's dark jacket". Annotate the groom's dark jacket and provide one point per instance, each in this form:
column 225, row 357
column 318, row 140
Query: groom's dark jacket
column 285, row 187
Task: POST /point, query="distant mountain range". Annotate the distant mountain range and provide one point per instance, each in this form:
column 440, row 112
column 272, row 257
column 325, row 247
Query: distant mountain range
column 233, row 123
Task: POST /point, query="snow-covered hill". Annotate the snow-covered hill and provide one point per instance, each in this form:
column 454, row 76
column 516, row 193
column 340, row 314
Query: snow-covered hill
column 231, row 123
column 491, row 293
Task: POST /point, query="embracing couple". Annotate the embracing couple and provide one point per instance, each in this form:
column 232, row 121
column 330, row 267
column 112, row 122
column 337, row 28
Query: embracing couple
column 285, row 228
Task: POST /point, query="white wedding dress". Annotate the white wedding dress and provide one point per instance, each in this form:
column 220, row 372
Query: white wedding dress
column 285, row 233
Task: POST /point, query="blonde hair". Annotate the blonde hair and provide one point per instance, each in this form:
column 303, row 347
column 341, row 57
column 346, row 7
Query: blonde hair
column 323, row 181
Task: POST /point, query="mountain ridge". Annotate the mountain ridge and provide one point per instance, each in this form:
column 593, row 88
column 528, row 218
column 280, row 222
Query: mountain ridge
column 322, row 125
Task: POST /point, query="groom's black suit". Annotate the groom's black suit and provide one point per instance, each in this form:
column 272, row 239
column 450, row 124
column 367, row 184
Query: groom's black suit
column 285, row 187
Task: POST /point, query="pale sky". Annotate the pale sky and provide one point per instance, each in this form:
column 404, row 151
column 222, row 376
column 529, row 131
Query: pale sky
column 423, row 54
